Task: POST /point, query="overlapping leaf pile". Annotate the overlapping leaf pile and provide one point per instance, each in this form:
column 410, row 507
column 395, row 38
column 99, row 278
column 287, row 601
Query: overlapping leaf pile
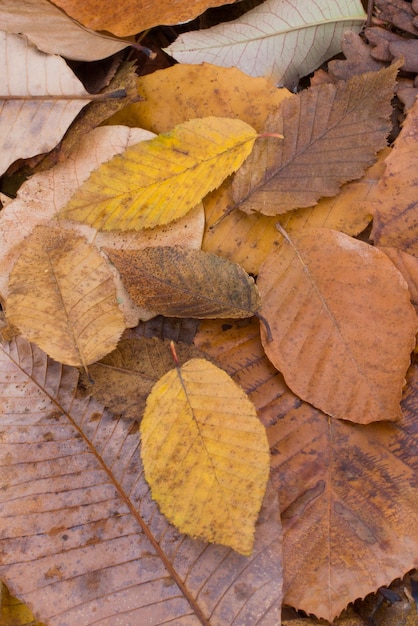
column 308, row 356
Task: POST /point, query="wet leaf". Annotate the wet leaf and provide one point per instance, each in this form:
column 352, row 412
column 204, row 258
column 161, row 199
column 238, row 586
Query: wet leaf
column 180, row 282
column 205, row 454
column 342, row 323
column 160, row 180
column 62, row 297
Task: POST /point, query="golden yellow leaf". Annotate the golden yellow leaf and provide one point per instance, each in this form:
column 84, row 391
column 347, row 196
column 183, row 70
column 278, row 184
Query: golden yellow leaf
column 182, row 282
column 342, row 323
column 160, row 180
column 205, row 454
column 62, row 297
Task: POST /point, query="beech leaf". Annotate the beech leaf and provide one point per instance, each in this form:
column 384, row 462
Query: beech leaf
column 181, row 282
column 62, row 297
column 39, row 98
column 331, row 135
column 205, row 454
column 160, row 180
column 342, row 323
column 82, row 541
column 279, row 39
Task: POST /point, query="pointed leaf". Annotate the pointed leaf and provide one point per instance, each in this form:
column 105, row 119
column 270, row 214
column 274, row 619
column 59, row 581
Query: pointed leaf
column 331, row 135
column 39, row 98
column 160, row 180
column 342, row 323
column 205, row 454
column 279, row 39
column 83, row 543
column 175, row 281
column 62, row 297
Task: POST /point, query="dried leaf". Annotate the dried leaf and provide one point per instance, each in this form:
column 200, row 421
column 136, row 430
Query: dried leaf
column 13, row 612
column 205, row 454
column 54, row 32
column 62, row 297
column 395, row 222
column 39, row 98
column 179, row 282
column 286, row 39
column 122, row 380
column 342, row 323
column 87, row 543
column 408, row 267
column 160, row 180
column 348, row 492
column 129, row 17
column 331, row 134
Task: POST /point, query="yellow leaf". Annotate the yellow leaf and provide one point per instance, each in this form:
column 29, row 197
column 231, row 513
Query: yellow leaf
column 62, row 297
column 160, row 180
column 205, row 454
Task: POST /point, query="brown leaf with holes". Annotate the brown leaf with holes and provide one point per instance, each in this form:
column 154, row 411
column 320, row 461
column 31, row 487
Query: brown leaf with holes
column 342, row 323
column 331, row 135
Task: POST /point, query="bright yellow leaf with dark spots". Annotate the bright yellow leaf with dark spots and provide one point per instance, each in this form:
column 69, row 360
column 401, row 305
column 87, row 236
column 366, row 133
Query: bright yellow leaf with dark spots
column 158, row 181
column 205, row 454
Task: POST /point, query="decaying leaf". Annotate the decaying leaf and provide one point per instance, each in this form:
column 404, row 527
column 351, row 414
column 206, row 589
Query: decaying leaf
column 180, row 282
column 122, row 380
column 39, row 98
column 347, row 492
column 13, row 612
column 319, row 125
column 160, row 180
column 279, row 39
column 62, row 297
column 87, row 542
column 205, row 454
column 54, row 32
column 342, row 323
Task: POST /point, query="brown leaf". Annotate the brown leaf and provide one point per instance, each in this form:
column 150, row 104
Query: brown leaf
column 348, row 492
column 122, row 380
column 358, row 58
column 331, row 134
column 342, row 323
column 408, row 267
column 63, row 298
column 178, row 282
column 87, row 543
column 397, row 12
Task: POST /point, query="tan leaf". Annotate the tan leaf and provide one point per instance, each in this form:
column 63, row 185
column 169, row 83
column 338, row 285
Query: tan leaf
column 205, row 454
column 279, row 39
column 395, row 222
column 123, row 379
column 39, row 98
column 342, row 323
column 129, row 17
column 348, row 492
column 62, row 297
column 179, row 282
column 54, row 32
column 157, row 181
column 87, row 543
column 331, row 135
column 408, row 267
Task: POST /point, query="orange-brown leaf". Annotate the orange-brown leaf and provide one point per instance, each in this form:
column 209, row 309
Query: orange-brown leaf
column 331, row 135
column 342, row 322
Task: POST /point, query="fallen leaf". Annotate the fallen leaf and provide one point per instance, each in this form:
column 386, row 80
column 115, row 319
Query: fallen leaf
column 358, row 58
column 398, row 13
column 331, row 135
column 181, row 282
column 347, row 492
column 87, row 542
column 408, row 267
column 206, row 89
column 13, row 612
column 62, row 297
column 278, row 39
column 160, row 180
column 395, row 222
column 122, row 380
column 205, row 454
column 129, row 17
column 54, row 32
column 342, row 323
column 39, row 98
